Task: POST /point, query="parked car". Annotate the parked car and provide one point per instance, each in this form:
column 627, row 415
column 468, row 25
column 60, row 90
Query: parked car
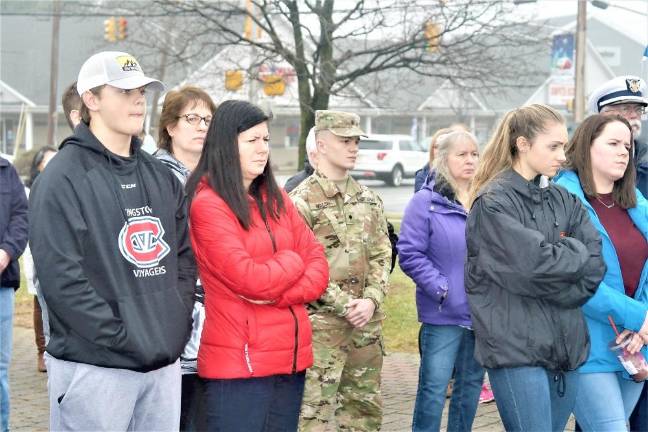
column 389, row 158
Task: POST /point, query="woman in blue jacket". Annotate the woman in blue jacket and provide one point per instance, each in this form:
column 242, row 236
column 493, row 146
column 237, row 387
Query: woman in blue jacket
column 602, row 175
column 432, row 249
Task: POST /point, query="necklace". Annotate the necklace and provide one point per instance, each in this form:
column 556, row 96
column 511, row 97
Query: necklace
column 605, row 205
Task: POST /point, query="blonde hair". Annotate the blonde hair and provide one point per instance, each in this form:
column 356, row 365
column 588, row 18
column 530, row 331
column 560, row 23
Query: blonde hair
column 501, row 151
column 438, row 133
column 433, row 143
column 444, row 144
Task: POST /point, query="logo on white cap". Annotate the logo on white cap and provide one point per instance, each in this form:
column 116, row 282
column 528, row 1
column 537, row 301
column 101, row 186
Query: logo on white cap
column 117, row 69
column 129, row 64
column 633, row 85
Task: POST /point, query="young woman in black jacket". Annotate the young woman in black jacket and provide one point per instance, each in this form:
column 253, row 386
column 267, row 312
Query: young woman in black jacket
column 533, row 259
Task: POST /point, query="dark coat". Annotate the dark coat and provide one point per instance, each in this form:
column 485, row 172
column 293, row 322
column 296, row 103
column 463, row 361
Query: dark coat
column 421, row 177
column 302, row 175
column 13, row 222
column 534, row 258
column 641, row 163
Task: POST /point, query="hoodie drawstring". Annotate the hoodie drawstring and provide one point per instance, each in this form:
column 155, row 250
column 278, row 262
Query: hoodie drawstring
column 553, row 210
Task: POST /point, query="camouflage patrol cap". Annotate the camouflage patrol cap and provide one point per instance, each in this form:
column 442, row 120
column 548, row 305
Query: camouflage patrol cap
column 339, row 123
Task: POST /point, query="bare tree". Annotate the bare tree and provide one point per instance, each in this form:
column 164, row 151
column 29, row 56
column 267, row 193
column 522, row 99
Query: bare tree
column 476, row 44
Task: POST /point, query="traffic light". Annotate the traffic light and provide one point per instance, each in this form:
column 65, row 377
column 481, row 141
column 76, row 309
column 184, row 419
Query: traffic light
column 248, row 24
column 570, row 105
column 432, row 33
column 233, row 80
column 110, row 30
column 274, row 85
column 122, row 28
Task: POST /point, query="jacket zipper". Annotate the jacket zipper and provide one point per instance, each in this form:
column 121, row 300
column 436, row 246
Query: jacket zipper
column 248, row 362
column 561, row 348
column 292, row 312
column 294, row 365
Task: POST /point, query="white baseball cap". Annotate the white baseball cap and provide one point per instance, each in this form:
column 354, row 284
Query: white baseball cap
column 620, row 90
column 117, row 69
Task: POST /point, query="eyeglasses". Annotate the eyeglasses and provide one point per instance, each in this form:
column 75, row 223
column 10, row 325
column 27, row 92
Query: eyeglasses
column 195, row 119
column 627, row 109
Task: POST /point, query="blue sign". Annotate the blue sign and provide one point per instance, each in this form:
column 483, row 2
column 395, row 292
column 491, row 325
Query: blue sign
column 562, row 54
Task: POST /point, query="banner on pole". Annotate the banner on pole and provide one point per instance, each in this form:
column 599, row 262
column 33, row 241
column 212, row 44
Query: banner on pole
column 562, row 55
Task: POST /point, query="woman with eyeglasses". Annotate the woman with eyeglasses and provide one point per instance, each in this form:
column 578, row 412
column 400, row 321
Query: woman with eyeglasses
column 185, row 117
column 184, row 121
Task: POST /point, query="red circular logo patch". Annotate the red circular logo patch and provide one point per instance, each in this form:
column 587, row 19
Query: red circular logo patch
column 141, row 241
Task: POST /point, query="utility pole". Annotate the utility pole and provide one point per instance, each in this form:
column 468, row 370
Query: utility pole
column 163, row 65
column 54, row 57
column 581, row 46
column 253, row 69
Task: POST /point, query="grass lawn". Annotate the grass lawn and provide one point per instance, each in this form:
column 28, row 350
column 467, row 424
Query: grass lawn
column 401, row 326
column 400, row 329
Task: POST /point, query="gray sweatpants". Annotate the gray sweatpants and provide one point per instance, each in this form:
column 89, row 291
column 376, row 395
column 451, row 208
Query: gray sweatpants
column 92, row 398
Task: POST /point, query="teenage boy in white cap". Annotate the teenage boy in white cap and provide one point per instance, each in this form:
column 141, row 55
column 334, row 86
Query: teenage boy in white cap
column 626, row 96
column 112, row 252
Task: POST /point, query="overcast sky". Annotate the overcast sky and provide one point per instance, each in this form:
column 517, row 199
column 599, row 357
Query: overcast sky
column 633, row 24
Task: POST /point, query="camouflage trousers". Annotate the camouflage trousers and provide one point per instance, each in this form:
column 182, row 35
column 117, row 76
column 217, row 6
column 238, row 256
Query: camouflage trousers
column 344, row 380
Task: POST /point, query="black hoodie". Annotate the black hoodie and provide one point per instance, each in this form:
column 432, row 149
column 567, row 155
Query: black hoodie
column 112, row 252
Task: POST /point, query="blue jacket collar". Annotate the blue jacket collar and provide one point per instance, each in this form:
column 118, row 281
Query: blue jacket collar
column 570, row 181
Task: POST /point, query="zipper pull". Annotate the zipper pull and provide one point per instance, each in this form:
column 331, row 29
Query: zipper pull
column 247, row 359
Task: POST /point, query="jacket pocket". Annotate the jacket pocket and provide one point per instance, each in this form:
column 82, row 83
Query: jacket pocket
column 250, row 342
column 529, row 325
column 157, row 325
column 251, row 324
column 68, row 371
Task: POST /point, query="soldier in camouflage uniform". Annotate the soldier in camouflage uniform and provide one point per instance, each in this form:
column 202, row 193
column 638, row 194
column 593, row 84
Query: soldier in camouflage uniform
column 348, row 219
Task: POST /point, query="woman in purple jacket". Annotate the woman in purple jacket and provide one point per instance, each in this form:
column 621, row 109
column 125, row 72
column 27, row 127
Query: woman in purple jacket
column 432, row 250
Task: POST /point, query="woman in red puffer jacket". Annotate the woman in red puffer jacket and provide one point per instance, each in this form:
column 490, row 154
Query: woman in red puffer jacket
column 259, row 264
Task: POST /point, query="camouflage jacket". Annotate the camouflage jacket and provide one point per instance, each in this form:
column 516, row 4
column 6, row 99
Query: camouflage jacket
column 353, row 230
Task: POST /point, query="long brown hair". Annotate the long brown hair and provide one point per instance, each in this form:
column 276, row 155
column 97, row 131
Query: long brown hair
column 501, row 151
column 174, row 102
column 579, row 159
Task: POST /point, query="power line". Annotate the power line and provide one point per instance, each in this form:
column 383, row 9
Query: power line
column 186, row 12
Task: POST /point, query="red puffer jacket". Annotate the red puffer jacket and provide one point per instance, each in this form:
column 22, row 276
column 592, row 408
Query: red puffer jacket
column 239, row 269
